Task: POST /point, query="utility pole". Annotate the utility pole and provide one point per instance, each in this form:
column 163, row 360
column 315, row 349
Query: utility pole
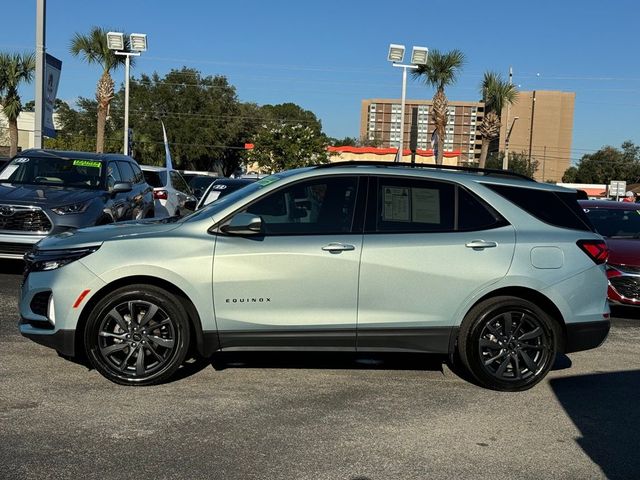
column 41, row 9
column 544, row 161
column 507, row 131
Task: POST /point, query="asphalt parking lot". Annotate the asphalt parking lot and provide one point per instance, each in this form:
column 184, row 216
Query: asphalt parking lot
column 327, row 416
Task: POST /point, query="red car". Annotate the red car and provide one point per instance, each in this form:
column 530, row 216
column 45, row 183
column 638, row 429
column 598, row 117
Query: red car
column 619, row 223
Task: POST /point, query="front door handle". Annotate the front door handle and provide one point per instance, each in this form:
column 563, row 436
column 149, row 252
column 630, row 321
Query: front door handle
column 480, row 244
column 338, row 247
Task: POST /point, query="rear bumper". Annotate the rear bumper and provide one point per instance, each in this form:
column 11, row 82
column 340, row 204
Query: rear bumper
column 586, row 335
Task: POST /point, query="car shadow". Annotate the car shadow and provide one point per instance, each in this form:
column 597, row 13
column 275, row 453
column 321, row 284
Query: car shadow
column 623, row 311
column 604, row 407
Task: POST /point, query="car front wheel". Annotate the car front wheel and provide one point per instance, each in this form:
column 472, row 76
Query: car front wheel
column 137, row 335
column 508, row 343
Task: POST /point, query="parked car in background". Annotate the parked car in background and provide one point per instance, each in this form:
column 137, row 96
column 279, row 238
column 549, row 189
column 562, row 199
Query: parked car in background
column 497, row 270
column 200, row 183
column 171, row 193
column 619, row 223
column 221, row 188
column 46, row 192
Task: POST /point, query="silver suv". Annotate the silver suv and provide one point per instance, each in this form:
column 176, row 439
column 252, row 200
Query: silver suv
column 498, row 271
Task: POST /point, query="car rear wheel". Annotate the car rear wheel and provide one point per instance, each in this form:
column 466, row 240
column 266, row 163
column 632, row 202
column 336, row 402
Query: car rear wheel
column 137, row 335
column 508, row 343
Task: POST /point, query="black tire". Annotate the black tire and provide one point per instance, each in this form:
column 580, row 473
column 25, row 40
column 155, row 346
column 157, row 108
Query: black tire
column 145, row 348
column 508, row 343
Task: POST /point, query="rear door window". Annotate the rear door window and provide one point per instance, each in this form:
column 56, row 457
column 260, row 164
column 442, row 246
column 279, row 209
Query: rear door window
column 178, row 183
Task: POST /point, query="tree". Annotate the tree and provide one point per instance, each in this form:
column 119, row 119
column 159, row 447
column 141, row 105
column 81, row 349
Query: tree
column 440, row 71
column 496, row 94
column 14, row 70
column 207, row 127
column 292, row 114
column 610, row 163
column 281, row 146
column 30, row 106
column 518, row 163
column 570, row 175
column 93, row 49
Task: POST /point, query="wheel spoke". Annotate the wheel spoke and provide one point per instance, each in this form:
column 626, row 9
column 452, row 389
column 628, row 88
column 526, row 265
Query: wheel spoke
column 536, row 332
column 140, row 362
column 520, row 323
column 149, row 314
column 155, row 326
column 116, row 347
column 503, row 366
column 528, row 361
column 493, row 331
column 125, row 362
column 526, row 346
column 119, row 320
column 163, row 342
column 493, row 359
column 508, row 323
column 517, row 371
column 113, row 335
column 488, row 343
column 156, row 354
column 131, row 306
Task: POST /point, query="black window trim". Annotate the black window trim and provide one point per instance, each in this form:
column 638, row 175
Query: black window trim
column 357, row 225
column 372, row 207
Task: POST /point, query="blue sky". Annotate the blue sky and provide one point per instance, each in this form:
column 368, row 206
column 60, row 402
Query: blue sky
column 327, row 56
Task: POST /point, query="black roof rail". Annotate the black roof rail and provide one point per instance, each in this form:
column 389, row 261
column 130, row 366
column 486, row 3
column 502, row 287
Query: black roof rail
column 380, row 163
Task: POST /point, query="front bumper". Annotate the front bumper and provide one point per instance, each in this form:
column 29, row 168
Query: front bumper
column 62, row 341
column 586, row 335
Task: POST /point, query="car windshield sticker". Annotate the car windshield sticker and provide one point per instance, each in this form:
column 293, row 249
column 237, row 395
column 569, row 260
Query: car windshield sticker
column 396, row 204
column 425, row 205
column 21, row 160
column 213, row 195
column 87, row 163
column 8, row 171
column 218, row 187
column 268, row 180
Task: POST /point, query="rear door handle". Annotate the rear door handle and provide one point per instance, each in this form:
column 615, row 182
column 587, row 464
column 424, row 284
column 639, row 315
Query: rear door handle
column 338, row 247
column 480, row 244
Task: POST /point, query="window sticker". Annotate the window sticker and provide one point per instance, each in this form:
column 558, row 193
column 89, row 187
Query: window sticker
column 396, row 204
column 8, row 171
column 21, row 160
column 425, row 205
column 218, row 187
column 87, row 163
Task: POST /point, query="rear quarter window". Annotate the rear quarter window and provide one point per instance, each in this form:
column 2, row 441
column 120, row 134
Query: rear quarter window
column 560, row 209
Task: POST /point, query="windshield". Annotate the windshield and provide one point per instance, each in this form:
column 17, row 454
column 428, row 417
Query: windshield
column 61, row 172
column 233, row 197
column 615, row 223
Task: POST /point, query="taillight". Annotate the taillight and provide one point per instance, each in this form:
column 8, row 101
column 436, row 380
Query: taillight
column 596, row 250
column 160, row 195
column 613, row 272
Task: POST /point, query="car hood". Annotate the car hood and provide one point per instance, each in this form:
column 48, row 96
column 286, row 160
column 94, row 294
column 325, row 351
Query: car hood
column 85, row 237
column 624, row 251
column 44, row 196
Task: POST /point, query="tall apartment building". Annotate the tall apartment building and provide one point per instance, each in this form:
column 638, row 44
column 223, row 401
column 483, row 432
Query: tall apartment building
column 380, row 122
column 544, row 128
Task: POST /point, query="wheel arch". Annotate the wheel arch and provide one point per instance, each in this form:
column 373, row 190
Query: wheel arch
column 533, row 296
column 204, row 343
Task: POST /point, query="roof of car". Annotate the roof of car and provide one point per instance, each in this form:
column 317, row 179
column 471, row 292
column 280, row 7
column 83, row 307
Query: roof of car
column 234, row 181
column 153, row 168
column 610, row 204
column 74, row 154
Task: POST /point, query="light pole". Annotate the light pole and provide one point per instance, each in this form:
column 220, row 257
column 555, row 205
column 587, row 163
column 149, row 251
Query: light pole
column 418, row 57
column 505, row 160
column 137, row 45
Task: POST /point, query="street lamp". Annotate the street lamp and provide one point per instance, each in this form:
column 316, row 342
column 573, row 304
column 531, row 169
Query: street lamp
column 137, row 45
column 505, row 160
column 418, row 57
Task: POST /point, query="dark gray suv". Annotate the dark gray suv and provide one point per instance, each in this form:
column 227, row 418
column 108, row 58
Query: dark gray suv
column 45, row 192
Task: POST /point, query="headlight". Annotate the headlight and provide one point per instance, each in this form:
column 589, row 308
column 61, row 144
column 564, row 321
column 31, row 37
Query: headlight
column 43, row 260
column 72, row 208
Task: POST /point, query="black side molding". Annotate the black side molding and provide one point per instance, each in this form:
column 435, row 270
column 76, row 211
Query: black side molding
column 62, row 341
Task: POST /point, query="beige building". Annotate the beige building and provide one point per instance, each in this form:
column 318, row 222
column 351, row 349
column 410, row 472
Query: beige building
column 26, row 124
column 543, row 130
column 380, row 122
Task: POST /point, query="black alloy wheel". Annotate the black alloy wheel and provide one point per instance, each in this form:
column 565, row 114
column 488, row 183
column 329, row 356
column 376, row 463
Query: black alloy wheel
column 508, row 343
column 137, row 335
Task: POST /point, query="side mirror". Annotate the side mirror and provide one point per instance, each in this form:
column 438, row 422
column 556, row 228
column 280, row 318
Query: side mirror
column 243, row 224
column 122, row 187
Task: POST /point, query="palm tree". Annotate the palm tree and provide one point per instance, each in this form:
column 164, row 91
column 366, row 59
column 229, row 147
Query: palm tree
column 440, row 71
column 14, row 69
column 93, row 48
column 496, row 94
